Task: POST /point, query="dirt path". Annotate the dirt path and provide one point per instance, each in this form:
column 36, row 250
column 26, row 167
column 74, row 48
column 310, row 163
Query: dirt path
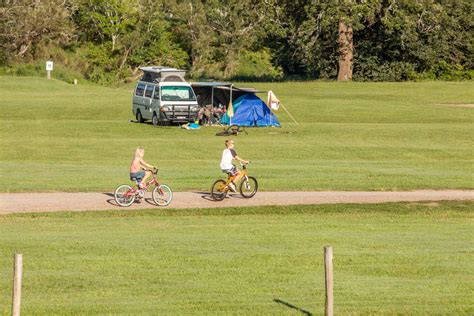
column 52, row 202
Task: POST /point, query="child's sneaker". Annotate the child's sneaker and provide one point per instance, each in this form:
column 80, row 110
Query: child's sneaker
column 232, row 187
column 141, row 186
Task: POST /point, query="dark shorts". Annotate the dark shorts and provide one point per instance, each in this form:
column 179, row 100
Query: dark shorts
column 137, row 176
column 232, row 171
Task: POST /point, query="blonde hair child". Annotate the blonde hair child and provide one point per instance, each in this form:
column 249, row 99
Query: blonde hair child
column 138, row 167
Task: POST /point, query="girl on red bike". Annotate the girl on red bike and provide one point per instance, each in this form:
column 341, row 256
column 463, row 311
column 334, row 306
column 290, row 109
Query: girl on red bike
column 138, row 167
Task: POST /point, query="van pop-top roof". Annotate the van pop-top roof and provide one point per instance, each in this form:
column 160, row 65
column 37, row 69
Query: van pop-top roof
column 162, row 74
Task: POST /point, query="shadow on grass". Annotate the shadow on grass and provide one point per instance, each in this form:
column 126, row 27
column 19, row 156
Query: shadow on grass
column 303, row 311
column 207, row 196
column 137, row 201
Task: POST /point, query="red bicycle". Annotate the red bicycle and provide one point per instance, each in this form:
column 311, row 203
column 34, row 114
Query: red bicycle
column 162, row 195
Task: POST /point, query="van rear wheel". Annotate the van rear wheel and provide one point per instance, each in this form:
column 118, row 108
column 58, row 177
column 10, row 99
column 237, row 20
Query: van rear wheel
column 140, row 117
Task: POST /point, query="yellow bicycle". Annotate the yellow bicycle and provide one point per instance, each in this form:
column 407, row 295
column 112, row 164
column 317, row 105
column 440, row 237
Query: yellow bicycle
column 248, row 186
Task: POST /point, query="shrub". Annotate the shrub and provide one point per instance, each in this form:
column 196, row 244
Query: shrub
column 444, row 71
column 37, row 69
column 370, row 69
column 256, row 66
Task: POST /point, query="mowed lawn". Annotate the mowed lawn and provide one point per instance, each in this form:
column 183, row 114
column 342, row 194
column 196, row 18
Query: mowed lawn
column 351, row 136
column 403, row 259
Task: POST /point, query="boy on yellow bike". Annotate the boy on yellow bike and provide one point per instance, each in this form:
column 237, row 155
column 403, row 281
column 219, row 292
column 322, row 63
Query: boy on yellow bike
column 226, row 165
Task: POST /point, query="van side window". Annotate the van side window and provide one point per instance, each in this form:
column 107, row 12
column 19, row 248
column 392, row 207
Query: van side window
column 140, row 89
column 149, row 91
column 157, row 93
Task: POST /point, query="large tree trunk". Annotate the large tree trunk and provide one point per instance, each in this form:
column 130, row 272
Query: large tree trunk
column 346, row 49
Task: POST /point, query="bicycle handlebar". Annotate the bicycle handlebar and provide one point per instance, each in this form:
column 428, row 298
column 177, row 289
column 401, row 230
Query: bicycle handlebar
column 153, row 170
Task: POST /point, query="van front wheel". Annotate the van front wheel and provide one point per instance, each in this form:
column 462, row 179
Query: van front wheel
column 155, row 120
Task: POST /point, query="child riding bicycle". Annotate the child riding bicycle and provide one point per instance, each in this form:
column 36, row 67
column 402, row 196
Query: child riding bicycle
column 226, row 165
column 138, row 168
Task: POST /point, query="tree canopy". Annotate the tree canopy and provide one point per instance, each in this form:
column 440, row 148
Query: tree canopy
column 379, row 40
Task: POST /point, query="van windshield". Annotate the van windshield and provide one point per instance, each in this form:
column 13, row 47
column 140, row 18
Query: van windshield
column 177, row 93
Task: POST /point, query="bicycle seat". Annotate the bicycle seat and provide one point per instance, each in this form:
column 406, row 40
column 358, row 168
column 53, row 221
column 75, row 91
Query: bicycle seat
column 228, row 173
column 136, row 180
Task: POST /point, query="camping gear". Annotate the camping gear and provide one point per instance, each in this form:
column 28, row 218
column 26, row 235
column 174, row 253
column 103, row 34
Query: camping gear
column 190, row 126
column 232, row 130
column 274, row 103
column 250, row 110
column 218, row 94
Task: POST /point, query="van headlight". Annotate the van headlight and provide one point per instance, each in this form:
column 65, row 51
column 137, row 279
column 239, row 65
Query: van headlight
column 195, row 108
column 165, row 108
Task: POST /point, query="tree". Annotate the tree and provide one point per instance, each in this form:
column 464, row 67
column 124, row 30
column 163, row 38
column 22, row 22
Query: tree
column 189, row 22
column 152, row 41
column 106, row 20
column 221, row 36
column 346, row 46
column 26, row 25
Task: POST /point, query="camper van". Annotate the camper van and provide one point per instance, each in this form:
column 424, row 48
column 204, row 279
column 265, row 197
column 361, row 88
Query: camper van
column 163, row 96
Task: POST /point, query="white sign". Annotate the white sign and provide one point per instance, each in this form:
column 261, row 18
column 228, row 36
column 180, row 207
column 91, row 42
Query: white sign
column 49, row 65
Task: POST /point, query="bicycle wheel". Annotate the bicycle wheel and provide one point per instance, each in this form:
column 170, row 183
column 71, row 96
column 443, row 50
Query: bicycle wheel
column 248, row 188
column 124, row 195
column 218, row 190
column 162, row 195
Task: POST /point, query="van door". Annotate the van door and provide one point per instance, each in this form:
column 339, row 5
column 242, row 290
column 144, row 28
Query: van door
column 138, row 98
column 155, row 103
column 147, row 101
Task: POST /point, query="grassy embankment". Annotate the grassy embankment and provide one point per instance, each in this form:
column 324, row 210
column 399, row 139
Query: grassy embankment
column 403, row 259
column 352, row 136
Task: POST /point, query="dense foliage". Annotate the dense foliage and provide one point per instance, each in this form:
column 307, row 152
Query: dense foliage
column 107, row 41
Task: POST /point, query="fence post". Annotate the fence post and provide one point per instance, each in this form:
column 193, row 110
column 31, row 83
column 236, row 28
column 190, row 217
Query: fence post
column 17, row 275
column 329, row 310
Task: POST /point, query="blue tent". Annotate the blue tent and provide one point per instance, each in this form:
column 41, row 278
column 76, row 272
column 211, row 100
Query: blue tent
column 250, row 110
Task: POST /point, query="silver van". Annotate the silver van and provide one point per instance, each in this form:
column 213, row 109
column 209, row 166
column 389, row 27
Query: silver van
column 163, row 96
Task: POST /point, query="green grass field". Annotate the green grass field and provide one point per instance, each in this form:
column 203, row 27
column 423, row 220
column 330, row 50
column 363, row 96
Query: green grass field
column 399, row 259
column 352, row 136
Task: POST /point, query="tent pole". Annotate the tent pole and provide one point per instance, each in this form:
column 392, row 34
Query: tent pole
column 270, row 117
column 212, row 107
column 230, row 118
column 284, row 108
column 212, row 97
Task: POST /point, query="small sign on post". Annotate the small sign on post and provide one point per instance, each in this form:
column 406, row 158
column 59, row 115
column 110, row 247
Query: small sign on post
column 49, row 68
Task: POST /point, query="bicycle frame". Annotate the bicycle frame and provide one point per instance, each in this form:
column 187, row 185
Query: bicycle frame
column 247, row 185
column 244, row 174
column 152, row 181
column 148, row 184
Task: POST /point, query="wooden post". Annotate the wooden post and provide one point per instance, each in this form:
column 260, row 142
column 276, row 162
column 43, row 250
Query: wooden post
column 49, row 74
column 329, row 311
column 17, row 275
